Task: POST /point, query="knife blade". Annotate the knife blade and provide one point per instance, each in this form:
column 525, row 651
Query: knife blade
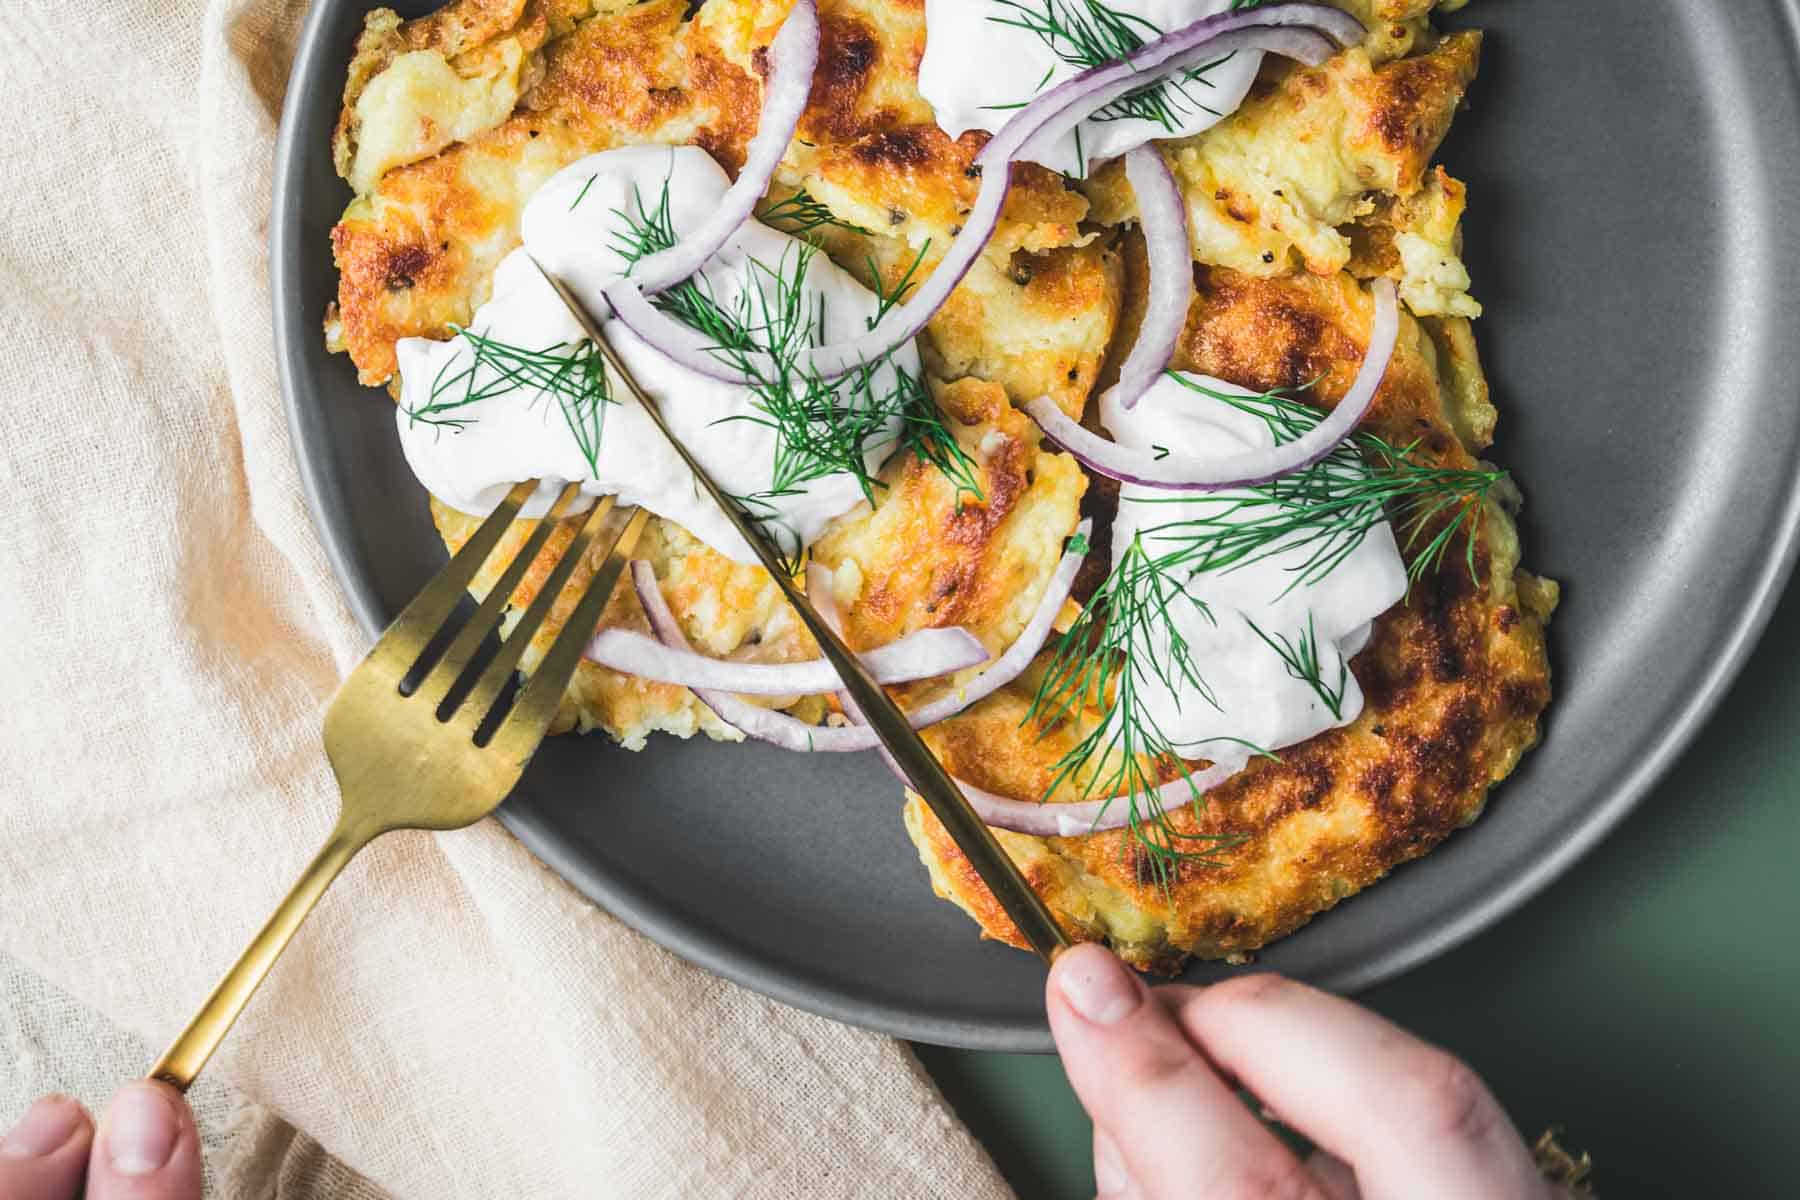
column 907, row 750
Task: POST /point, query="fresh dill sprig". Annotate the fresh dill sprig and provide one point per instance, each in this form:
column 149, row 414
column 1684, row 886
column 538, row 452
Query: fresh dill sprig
column 1301, row 657
column 1103, row 663
column 823, row 427
column 1327, row 509
column 574, row 374
column 802, row 213
column 1115, row 649
column 888, row 298
column 1088, row 33
column 582, row 194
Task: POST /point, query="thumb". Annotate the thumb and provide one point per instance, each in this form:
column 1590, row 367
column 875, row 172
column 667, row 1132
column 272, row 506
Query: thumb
column 1178, row 1129
column 148, row 1147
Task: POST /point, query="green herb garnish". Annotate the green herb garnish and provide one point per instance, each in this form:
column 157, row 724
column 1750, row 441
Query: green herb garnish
column 801, row 214
column 1089, row 33
column 1301, row 656
column 574, row 374
column 1115, row 649
column 1103, row 663
column 823, row 427
column 1326, row 509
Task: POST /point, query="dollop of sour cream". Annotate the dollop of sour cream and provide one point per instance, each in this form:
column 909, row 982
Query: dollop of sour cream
column 1256, row 701
column 572, row 225
column 981, row 65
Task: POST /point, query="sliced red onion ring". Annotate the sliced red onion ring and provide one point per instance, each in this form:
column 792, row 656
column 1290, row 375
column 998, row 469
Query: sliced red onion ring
column 1171, row 259
column 1176, row 473
column 1291, row 30
column 795, row 734
column 793, row 57
column 1034, row 817
column 1045, row 819
column 924, row 654
column 1300, row 31
column 753, row 720
column 680, row 343
column 1010, row 665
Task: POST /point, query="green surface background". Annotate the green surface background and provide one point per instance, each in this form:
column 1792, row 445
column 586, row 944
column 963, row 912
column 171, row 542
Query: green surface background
column 1646, row 1002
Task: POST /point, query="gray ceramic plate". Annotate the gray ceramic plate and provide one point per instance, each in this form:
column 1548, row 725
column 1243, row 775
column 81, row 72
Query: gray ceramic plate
column 1630, row 162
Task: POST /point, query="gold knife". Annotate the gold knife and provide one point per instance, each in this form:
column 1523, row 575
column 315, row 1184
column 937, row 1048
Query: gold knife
column 921, row 768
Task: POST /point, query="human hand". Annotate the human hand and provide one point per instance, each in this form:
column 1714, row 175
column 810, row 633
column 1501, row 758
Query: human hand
column 147, row 1148
column 1391, row 1115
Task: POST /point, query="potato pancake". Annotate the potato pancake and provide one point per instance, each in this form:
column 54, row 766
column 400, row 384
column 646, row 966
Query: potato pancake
column 1454, row 681
column 1320, row 181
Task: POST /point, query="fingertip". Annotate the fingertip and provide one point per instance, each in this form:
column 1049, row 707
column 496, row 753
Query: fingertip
column 44, row 1154
column 46, row 1127
column 1094, row 984
column 148, row 1147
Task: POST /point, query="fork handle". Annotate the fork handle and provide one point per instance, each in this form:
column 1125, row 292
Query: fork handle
column 184, row 1058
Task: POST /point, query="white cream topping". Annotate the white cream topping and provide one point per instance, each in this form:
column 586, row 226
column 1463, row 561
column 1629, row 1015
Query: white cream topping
column 1259, row 701
column 979, row 66
column 571, row 226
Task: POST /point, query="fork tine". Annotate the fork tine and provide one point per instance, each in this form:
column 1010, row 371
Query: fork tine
column 406, row 638
column 536, row 704
column 474, row 706
column 454, row 661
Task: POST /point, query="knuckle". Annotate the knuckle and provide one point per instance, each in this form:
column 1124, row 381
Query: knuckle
column 1443, row 1097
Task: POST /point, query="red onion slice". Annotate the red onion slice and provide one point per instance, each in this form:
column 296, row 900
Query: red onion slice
column 924, row 654
column 1300, row 31
column 1179, row 474
column 1010, row 665
column 678, row 342
column 1296, row 31
column 1035, row 817
column 1045, row 819
column 1171, row 260
column 795, row 734
column 753, row 720
column 793, row 57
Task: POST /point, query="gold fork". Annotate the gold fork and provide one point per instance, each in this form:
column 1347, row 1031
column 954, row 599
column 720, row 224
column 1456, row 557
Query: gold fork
column 440, row 755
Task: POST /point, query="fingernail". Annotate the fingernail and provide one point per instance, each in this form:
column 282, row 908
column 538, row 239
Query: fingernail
column 1109, row 1166
column 46, row 1126
column 1097, row 985
column 140, row 1129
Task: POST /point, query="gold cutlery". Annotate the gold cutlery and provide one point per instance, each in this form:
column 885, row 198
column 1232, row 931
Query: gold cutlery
column 909, row 752
column 441, row 754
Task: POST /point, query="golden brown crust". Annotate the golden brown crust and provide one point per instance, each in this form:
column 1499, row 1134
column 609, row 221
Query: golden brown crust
column 1321, row 171
column 1454, row 681
column 726, row 609
column 927, row 556
column 416, row 254
column 1313, row 152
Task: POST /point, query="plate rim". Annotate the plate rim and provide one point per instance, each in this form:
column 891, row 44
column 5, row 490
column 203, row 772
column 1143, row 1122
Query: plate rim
column 718, row 955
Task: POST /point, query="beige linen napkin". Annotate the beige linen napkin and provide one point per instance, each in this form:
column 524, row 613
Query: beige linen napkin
column 455, row 1021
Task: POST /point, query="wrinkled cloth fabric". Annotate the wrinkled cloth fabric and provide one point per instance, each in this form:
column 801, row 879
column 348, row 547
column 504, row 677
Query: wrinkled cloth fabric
column 51, row 1042
column 455, row 1020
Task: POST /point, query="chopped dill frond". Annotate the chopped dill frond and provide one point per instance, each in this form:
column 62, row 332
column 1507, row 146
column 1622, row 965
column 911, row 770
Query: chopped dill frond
column 574, row 374
column 1124, row 640
column 1301, row 657
column 801, row 214
column 1103, row 663
column 1326, row 509
column 822, row 427
column 1089, row 33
